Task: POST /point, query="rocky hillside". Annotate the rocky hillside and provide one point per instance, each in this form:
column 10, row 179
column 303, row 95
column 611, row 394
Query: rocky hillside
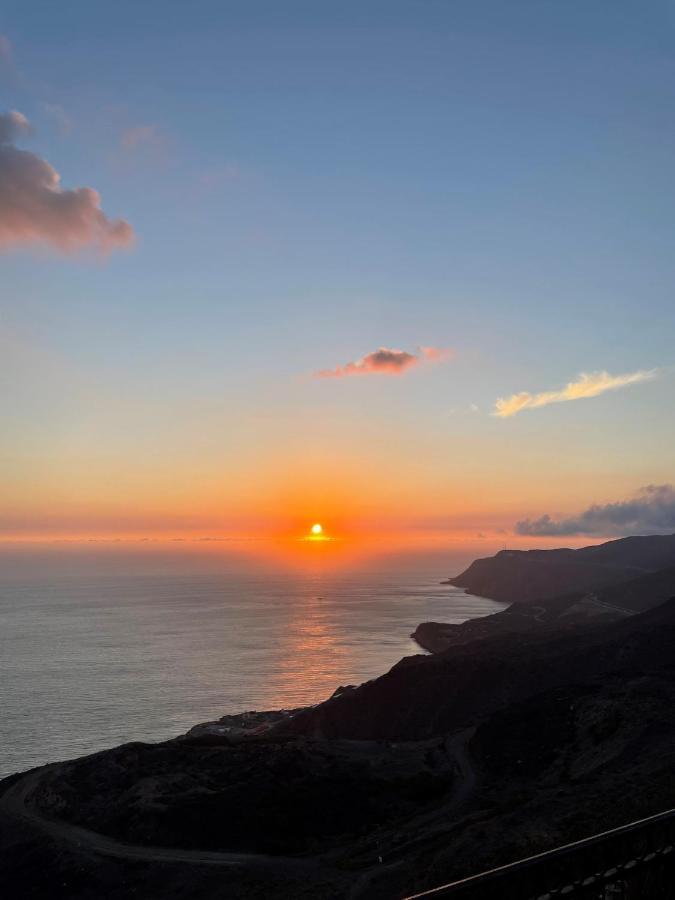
column 520, row 576
column 423, row 696
column 446, row 765
column 607, row 604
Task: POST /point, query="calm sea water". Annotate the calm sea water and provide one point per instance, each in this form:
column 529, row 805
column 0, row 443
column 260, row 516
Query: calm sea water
column 104, row 645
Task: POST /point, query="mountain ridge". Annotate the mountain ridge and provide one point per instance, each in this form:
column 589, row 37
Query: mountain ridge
column 520, row 576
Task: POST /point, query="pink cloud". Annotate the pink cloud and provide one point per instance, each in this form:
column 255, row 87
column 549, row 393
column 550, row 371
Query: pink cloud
column 385, row 361
column 13, row 125
column 35, row 209
column 435, row 354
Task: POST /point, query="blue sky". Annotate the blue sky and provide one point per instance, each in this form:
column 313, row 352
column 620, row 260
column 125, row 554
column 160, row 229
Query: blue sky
column 310, row 181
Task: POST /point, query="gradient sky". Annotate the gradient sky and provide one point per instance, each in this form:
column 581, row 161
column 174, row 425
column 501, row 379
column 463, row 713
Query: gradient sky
column 309, row 182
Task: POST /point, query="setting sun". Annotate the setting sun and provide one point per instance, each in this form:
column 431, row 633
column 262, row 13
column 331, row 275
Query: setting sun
column 316, row 535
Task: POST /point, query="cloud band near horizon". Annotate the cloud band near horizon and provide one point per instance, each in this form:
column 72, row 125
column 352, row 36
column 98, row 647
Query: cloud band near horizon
column 386, row 361
column 587, row 385
column 651, row 511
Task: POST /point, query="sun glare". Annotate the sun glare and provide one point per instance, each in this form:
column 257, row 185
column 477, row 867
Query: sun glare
column 316, row 534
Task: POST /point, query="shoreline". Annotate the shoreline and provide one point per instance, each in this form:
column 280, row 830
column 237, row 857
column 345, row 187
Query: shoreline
column 435, row 637
column 234, row 672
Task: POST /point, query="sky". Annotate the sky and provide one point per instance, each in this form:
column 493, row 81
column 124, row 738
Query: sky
column 397, row 267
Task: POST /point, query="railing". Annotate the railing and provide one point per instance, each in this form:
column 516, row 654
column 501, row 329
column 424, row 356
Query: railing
column 632, row 862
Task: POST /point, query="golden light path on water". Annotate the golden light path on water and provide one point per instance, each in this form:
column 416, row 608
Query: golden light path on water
column 147, row 639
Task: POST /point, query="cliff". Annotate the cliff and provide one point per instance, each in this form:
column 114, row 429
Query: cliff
column 611, row 603
column 521, row 576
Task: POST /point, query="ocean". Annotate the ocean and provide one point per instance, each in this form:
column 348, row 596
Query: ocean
column 104, row 644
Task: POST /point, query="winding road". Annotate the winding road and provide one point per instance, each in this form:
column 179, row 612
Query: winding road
column 437, row 821
column 14, row 803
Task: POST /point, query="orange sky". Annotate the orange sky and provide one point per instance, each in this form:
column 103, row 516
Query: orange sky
column 408, row 301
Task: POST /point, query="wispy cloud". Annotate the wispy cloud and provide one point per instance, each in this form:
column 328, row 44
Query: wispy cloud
column 143, row 144
column 651, row 511
column 587, row 385
column 58, row 115
column 386, row 361
column 141, row 136
column 5, row 50
column 35, row 209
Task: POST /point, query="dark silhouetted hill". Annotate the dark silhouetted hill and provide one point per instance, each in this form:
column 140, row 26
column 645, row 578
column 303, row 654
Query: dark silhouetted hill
column 425, row 696
column 519, row 576
column 610, row 603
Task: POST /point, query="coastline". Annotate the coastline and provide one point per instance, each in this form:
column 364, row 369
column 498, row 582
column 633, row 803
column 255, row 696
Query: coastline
column 435, row 637
column 222, row 643
column 411, row 752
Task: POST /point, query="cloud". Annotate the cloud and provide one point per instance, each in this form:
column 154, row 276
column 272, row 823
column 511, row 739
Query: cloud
column 434, row 354
column 10, row 76
column 35, row 209
column 651, row 511
column 12, row 126
column 587, row 385
column 385, row 361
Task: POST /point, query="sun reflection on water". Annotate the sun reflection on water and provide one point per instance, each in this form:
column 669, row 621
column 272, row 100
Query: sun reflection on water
column 312, row 653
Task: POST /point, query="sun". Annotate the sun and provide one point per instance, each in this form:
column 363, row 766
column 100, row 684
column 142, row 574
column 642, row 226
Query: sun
column 316, row 535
